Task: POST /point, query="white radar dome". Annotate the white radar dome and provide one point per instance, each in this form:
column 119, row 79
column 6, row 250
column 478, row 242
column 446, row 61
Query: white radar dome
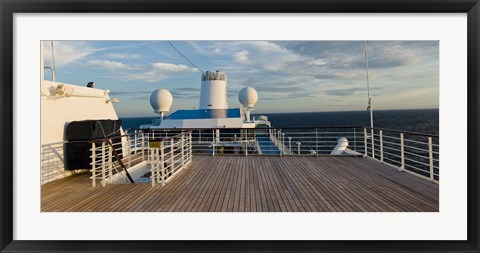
column 161, row 100
column 248, row 97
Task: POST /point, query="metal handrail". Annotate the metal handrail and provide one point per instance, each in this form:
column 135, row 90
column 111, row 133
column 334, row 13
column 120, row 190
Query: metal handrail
column 401, row 131
column 385, row 147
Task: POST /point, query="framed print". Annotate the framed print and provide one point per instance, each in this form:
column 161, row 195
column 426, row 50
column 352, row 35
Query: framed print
column 253, row 126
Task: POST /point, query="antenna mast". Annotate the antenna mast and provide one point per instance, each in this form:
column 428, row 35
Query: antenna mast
column 368, row 87
column 54, row 69
column 369, row 104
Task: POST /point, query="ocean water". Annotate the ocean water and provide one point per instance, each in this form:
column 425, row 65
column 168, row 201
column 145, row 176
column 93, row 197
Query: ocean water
column 419, row 120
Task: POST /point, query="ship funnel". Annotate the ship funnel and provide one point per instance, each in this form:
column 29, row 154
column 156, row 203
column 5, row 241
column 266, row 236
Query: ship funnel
column 213, row 91
column 161, row 100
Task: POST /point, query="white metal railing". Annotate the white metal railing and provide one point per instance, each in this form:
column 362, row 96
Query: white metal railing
column 267, row 141
column 108, row 155
column 52, row 163
column 111, row 158
column 412, row 152
column 168, row 156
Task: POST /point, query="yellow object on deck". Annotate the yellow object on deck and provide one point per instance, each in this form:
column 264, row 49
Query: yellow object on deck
column 155, row 144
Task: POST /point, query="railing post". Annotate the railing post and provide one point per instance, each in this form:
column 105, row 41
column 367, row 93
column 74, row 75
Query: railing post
column 276, row 136
column 316, row 140
column 103, row 163
column 110, row 163
column 190, row 151
column 402, row 150
column 213, row 142
column 129, row 152
column 142, row 147
column 373, row 142
column 381, row 145
column 172, row 157
column 279, row 138
column 183, row 149
column 290, row 145
column 135, row 141
column 365, row 142
column 93, row 165
column 153, row 167
column 430, row 156
column 354, row 140
column 162, row 163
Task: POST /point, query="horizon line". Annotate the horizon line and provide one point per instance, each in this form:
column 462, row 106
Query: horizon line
column 307, row 112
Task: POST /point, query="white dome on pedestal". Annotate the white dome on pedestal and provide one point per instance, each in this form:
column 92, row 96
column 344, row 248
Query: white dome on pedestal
column 161, row 100
column 248, row 97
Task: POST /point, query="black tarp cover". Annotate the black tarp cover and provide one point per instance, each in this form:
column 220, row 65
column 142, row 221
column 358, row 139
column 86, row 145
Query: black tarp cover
column 79, row 133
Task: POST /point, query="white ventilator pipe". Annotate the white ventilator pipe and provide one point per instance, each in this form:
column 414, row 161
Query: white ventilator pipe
column 341, row 146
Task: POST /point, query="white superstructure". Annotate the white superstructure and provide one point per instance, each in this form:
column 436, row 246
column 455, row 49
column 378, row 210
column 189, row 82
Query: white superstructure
column 60, row 104
column 213, row 91
column 213, row 109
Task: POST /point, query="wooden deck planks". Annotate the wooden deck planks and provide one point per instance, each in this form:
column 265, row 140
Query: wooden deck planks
column 256, row 184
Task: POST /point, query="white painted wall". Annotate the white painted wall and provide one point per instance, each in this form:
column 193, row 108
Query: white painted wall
column 56, row 111
column 83, row 104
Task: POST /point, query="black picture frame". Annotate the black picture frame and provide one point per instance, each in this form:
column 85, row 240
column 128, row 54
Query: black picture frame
column 10, row 7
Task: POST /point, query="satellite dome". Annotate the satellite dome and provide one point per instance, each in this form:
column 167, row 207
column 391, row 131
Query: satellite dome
column 248, row 97
column 161, row 100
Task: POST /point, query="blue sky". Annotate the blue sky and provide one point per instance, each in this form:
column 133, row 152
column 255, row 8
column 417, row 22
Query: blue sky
column 289, row 76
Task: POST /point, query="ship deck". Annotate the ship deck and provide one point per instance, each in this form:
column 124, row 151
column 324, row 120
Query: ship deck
column 255, row 184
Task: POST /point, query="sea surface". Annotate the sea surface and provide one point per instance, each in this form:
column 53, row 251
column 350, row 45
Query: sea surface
column 419, row 120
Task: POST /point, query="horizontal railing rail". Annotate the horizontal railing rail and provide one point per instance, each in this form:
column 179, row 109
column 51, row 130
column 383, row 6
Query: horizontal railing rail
column 401, row 131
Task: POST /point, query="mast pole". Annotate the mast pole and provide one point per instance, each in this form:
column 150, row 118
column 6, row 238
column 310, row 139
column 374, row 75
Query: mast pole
column 54, row 69
column 370, row 103
column 370, row 108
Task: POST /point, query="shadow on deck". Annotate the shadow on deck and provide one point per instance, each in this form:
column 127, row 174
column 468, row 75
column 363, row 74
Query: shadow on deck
column 256, row 184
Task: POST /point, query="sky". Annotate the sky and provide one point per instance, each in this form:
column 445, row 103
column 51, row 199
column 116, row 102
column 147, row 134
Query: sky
column 289, row 76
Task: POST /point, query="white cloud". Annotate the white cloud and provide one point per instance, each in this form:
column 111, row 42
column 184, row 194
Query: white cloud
column 111, row 65
column 122, row 56
column 66, row 52
column 241, row 57
column 159, row 71
column 172, row 68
